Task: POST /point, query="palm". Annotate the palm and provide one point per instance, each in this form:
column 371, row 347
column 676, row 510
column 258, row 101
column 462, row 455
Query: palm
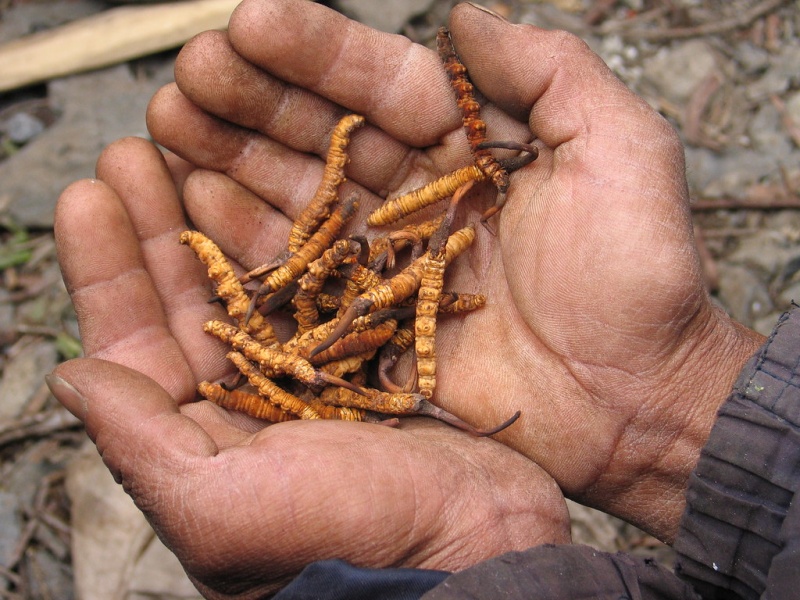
column 267, row 500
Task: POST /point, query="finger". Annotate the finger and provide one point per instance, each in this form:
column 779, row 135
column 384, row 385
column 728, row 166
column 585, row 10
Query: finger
column 138, row 173
column 119, row 310
column 179, row 169
column 614, row 157
column 550, row 77
column 252, row 232
column 134, row 422
column 397, row 85
column 212, row 75
column 285, row 178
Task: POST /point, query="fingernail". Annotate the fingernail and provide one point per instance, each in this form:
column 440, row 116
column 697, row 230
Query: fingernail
column 488, row 11
column 67, row 395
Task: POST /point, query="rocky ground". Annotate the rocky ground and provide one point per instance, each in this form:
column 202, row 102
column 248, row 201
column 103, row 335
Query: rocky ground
column 724, row 72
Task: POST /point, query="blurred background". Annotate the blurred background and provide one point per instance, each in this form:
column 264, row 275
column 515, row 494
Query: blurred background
column 77, row 74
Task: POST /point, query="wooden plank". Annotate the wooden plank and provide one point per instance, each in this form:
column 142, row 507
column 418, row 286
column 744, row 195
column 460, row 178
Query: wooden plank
column 107, row 38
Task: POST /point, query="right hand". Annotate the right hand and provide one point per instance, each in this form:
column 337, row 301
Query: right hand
column 243, row 506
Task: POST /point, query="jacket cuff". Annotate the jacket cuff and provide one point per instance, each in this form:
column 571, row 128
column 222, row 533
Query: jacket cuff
column 739, row 494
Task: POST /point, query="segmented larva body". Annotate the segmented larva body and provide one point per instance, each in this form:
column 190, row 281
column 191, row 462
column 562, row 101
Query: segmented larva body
column 245, row 402
column 327, row 192
column 272, row 361
column 228, row 287
column 338, row 413
column 383, row 402
column 322, row 239
column 280, row 397
column 357, row 342
column 470, row 111
column 359, row 279
column 397, row 208
column 452, row 302
column 430, row 290
column 311, row 283
column 345, row 366
column 405, row 283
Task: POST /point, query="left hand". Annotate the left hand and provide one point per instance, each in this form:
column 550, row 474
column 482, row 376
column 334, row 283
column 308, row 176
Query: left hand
column 246, row 506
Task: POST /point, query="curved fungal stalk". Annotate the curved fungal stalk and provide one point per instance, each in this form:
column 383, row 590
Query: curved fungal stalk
column 262, row 270
column 280, row 298
column 332, row 177
column 401, row 341
column 378, row 250
column 430, row 410
column 270, row 390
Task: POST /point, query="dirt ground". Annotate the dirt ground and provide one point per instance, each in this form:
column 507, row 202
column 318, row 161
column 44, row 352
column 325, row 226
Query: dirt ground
column 723, row 72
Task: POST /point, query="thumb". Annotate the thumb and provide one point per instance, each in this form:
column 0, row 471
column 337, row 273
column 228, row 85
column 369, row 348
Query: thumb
column 134, row 422
column 551, row 79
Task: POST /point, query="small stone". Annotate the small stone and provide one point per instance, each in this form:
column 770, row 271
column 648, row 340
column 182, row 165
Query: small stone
column 96, row 108
column 790, row 294
column 22, row 128
column 677, row 71
column 793, row 107
column 743, row 294
column 767, row 133
column 766, row 251
column 751, row 58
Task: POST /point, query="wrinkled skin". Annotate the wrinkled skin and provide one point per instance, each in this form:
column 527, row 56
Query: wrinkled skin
column 598, row 327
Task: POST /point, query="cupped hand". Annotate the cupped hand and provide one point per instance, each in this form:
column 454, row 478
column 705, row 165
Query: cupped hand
column 598, row 326
column 246, row 507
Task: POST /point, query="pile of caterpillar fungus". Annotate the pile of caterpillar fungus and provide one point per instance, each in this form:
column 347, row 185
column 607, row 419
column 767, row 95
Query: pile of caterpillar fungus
column 344, row 340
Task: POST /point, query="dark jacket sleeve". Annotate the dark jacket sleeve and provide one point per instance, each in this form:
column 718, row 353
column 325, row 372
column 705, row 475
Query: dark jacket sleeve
column 565, row 572
column 740, row 534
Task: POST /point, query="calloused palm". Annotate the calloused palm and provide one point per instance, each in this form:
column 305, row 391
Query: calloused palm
column 245, row 507
column 598, row 325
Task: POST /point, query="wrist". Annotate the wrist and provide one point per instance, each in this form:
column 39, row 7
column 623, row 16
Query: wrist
column 659, row 448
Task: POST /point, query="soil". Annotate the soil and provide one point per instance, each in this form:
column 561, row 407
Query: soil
column 723, row 72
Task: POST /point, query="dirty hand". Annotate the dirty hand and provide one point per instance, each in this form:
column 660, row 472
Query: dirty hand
column 246, row 507
column 598, row 325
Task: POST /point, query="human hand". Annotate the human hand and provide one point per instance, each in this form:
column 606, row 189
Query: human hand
column 598, row 325
column 244, row 507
